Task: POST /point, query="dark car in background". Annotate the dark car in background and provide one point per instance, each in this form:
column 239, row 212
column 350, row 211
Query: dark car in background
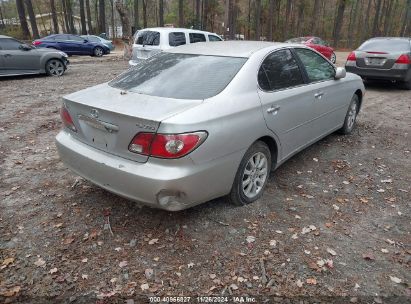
column 94, row 38
column 18, row 58
column 317, row 44
column 385, row 58
column 73, row 45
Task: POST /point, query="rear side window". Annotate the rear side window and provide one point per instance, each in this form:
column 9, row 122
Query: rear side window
column 148, row 38
column 279, row 70
column 198, row 76
column 213, row 38
column 317, row 68
column 196, row 37
column 176, row 38
column 9, row 44
column 386, row 45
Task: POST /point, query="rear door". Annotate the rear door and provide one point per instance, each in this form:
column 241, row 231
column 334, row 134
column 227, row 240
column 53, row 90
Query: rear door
column 197, row 37
column 146, row 44
column 287, row 102
column 330, row 97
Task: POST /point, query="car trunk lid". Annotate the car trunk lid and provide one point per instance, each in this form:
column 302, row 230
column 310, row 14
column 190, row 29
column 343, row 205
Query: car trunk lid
column 376, row 59
column 107, row 118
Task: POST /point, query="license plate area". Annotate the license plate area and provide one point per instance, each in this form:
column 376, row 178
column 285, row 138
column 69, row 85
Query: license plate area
column 375, row 61
column 98, row 133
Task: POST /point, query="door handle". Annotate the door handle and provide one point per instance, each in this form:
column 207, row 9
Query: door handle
column 273, row 110
column 319, row 95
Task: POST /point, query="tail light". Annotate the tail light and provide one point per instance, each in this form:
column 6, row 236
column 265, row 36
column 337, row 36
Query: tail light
column 66, row 118
column 36, row 42
column 351, row 57
column 404, row 59
column 166, row 145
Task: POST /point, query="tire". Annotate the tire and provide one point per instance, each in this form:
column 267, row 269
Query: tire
column 241, row 192
column 55, row 67
column 407, row 85
column 333, row 58
column 98, row 51
column 350, row 117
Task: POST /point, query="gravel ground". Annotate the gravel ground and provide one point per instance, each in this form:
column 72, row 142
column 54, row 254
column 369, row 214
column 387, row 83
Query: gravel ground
column 332, row 226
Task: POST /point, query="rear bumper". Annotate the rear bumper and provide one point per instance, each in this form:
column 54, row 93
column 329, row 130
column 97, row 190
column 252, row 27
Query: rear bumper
column 165, row 184
column 391, row 74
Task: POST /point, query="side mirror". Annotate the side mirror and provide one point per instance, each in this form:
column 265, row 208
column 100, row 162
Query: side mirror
column 25, row 47
column 340, row 73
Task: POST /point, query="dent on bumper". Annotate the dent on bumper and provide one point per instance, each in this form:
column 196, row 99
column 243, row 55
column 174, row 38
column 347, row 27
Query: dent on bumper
column 170, row 187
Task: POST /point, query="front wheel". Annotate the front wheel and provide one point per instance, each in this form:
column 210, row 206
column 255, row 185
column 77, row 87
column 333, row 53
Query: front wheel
column 98, row 51
column 55, row 67
column 350, row 117
column 333, row 58
column 252, row 175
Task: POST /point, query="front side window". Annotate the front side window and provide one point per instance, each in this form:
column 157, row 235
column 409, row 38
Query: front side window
column 318, row 69
column 181, row 76
column 176, row 38
column 196, row 37
column 279, row 70
column 148, row 38
column 213, row 38
column 9, row 44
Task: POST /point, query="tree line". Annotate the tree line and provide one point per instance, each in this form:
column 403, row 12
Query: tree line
column 344, row 23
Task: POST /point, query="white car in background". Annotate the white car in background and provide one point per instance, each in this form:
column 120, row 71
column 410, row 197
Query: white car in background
column 151, row 41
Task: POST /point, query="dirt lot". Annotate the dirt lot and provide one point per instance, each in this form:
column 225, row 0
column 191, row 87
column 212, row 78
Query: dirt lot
column 333, row 225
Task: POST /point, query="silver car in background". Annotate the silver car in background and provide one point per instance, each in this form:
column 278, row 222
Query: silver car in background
column 18, row 58
column 205, row 120
column 383, row 58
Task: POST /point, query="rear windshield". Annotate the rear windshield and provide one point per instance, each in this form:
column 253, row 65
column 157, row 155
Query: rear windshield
column 180, row 76
column 148, row 38
column 386, row 45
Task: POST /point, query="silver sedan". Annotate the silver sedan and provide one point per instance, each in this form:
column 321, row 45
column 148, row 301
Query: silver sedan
column 205, row 120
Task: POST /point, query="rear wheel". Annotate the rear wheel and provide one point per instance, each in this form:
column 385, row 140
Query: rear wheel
column 98, row 51
column 407, row 85
column 252, row 175
column 55, row 67
column 333, row 58
column 350, row 117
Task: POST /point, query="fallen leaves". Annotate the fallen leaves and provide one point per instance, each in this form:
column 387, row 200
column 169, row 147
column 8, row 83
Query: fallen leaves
column 53, row 270
column 144, row 286
column 311, row 281
column 250, row 239
column 395, row 280
column 369, row 256
column 331, row 251
column 10, row 292
column 40, row 262
column 8, row 261
column 308, row 229
column 123, row 264
column 68, row 241
column 273, row 243
column 153, row 241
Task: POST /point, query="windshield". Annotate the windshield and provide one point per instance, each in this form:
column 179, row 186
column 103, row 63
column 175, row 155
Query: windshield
column 386, row 45
column 180, row 76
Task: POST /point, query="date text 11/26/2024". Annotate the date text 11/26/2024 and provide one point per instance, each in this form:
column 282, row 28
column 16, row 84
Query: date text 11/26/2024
column 203, row 299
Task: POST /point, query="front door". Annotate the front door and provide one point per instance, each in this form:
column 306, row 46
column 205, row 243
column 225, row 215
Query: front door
column 330, row 105
column 16, row 59
column 287, row 102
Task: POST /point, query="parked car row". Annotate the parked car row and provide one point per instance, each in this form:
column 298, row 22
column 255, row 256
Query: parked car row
column 317, row 44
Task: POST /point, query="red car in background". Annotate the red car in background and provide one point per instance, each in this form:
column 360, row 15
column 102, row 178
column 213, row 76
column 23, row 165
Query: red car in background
column 317, row 44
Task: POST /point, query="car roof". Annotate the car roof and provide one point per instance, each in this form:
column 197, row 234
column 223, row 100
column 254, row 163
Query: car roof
column 390, row 38
column 173, row 29
column 232, row 48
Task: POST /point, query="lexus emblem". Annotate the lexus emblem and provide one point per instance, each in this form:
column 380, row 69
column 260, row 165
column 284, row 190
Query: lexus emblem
column 94, row 113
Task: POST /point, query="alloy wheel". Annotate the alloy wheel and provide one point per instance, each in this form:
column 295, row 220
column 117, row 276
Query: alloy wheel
column 255, row 175
column 352, row 114
column 55, row 67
